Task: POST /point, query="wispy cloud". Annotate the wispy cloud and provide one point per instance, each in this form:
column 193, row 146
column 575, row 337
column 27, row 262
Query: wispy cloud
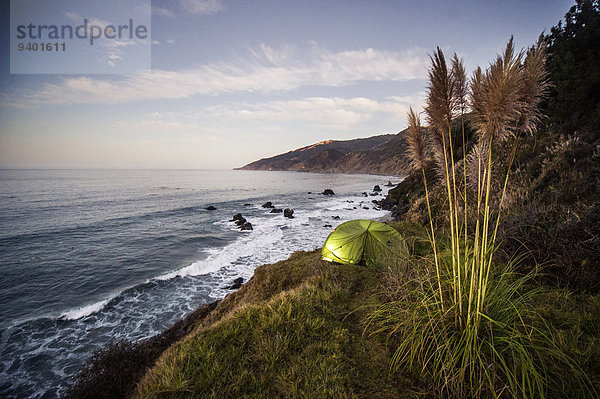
column 154, row 124
column 162, row 12
column 329, row 113
column 322, row 113
column 268, row 70
column 202, row 7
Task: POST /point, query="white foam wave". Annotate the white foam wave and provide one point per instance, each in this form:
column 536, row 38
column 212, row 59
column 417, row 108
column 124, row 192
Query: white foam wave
column 83, row 311
column 274, row 238
column 246, row 245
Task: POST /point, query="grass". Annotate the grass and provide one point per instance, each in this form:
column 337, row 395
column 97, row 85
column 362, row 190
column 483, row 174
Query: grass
column 302, row 339
column 459, row 317
column 297, row 330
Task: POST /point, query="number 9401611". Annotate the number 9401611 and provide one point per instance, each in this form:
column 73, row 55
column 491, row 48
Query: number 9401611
column 42, row 47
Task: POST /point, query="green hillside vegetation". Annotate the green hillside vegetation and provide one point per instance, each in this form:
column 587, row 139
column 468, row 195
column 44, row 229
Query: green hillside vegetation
column 303, row 328
column 499, row 294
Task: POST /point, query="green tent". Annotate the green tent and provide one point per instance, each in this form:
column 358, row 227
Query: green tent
column 358, row 240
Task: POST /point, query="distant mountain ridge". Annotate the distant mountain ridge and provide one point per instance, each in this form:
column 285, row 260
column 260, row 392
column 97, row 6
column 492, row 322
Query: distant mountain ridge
column 381, row 154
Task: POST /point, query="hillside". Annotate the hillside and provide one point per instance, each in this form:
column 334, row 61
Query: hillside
column 301, row 328
column 375, row 155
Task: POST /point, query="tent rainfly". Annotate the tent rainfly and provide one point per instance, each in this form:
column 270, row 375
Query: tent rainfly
column 363, row 240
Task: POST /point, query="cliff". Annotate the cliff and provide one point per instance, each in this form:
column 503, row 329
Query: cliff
column 382, row 154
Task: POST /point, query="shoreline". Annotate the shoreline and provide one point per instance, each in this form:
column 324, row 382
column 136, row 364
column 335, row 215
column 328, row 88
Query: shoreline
column 143, row 311
column 144, row 353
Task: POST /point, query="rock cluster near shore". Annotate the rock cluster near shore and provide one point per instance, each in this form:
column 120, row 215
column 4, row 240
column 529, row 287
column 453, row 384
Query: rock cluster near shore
column 243, row 224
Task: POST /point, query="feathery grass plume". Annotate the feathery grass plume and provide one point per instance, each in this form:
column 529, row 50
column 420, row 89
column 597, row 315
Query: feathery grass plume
column 535, row 85
column 460, row 84
column 416, row 151
column 496, row 97
column 439, row 107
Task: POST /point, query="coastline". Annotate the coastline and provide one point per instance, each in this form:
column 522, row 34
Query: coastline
column 140, row 298
column 124, row 363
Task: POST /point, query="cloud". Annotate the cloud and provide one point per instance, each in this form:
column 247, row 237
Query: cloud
column 202, row 7
column 153, row 125
column 162, row 12
column 330, row 113
column 266, row 71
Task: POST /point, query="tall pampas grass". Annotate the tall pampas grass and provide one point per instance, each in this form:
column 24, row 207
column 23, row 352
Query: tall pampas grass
column 470, row 325
column 535, row 86
column 439, row 109
column 496, row 97
column 416, row 149
column 417, row 152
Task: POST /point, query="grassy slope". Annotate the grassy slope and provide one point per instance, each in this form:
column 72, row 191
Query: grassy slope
column 294, row 330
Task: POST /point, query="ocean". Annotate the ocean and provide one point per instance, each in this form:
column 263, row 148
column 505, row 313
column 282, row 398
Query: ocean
column 93, row 257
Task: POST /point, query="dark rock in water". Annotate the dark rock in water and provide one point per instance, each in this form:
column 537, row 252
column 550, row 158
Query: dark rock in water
column 336, row 217
column 353, row 207
column 365, row 194
column 377, row 188
column 237, row 283
column 237, row 216
column 365, row 207
column 246, row 226
column 375, row 202
column 268, row 204
column 390, row 184
column 210, row 208
column 374, row 194
column 327, row 225
column 276, row 210
column 310, row 192
column 328, row 191
column 247, row 204
column 288, row 213
column 240, row 222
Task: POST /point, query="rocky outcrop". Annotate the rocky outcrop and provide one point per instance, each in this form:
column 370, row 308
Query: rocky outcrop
column 241, row 222
column 237, row 283
column 328, row 191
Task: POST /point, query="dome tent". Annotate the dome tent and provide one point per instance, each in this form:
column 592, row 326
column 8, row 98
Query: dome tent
column 363, row 240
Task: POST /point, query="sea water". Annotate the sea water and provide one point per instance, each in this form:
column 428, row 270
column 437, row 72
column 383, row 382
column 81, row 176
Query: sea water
column 93, row 257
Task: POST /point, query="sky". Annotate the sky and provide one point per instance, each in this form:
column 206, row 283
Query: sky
column 232, row 81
